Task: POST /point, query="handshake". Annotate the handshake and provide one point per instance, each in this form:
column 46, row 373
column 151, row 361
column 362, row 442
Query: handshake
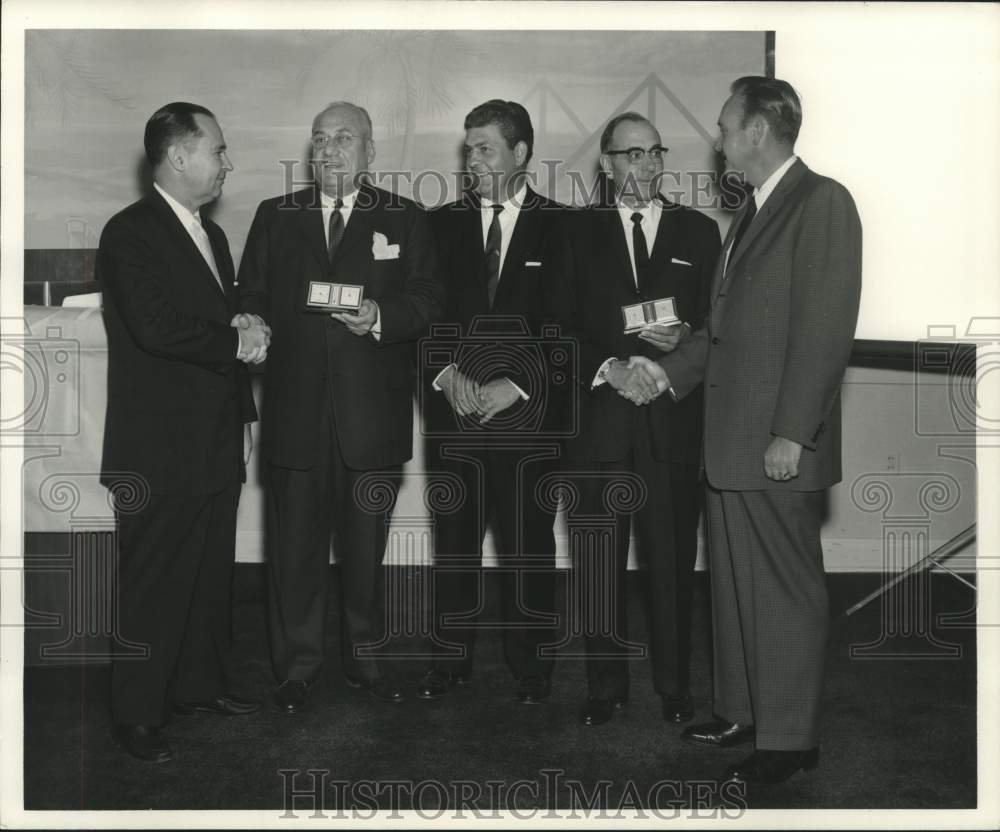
column 640, row 379
column 255, row 337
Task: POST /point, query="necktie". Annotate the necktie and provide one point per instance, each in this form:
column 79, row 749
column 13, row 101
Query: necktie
column 640, row 250
column 205, row 247
column 493, row 253
column 748, row 216
column 335, row 229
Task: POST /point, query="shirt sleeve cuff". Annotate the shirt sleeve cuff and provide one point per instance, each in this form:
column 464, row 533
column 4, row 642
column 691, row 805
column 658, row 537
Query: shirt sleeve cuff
column 377, row 326
column 435, row 384
column 599, row 375
column 520, row 392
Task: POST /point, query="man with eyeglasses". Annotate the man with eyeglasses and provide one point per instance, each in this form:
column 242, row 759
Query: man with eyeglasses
column 338, row 396
column 635, row 246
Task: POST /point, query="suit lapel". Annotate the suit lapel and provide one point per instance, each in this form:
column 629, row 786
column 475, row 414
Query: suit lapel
column 612, row 231
column 520, row 243
column 184, row 242
column 771, row 207
column 361, row 224
column 311, row 225
column 663, row 240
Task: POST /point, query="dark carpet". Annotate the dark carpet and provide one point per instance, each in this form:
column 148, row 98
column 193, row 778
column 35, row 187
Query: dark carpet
column 899, row 730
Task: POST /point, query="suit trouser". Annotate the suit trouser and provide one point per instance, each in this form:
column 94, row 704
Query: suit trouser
column 303, row 508
column 500, row 491
column 666, row 527
column 770, row 612
column 175, row 588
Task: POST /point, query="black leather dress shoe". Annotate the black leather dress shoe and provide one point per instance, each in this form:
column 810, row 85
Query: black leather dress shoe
column 678, row 707
column 599, row 711
column 144, row 742
column 719, row 733
column 436, row 683
column 226, row 705
column 382, row 687
column 291, row 695
column 768, row 768
column 532, row 689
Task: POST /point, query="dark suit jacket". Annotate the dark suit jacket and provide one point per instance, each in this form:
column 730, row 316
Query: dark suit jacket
column 177, row 396
column 592, row 280
column 369, row 382
column 774, row 349
column 513, row 339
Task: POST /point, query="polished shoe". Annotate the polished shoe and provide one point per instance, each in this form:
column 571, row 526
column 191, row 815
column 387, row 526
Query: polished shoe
column 226, row 705
column 291, row 695
column 382, row 687
column 678, row 707
column 768, row 768
column 436, row 683
column 599, row 711
column 719, row 733
column 532, row 689
column 144, row 742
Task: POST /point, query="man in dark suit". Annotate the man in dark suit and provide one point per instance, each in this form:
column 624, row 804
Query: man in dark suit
column 634, row 247
column 495, row 412
column 772, row 356
column 177, row 433
column 338, row 396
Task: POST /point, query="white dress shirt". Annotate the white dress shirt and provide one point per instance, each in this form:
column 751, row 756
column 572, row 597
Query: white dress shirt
column 508, row 218
column 651, row 213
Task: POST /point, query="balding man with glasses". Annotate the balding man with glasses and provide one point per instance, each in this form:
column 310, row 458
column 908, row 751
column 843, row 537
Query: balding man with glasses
column 338, row 394
column 634, row 247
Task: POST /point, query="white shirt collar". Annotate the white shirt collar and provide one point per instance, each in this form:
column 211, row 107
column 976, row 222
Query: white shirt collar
column 329, row 202
column 514, row 202
column 761, row 194
column 183, row 214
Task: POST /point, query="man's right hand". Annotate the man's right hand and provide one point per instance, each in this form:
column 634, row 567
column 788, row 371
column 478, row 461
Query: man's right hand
column 255, row 337
column 640, row 380
column 461, row 391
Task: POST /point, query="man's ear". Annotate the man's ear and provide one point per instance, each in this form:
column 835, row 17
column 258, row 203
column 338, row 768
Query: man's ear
column 757, row 129
column 176, row 157
column 606, row 164
column 370, row 150
column 521, row 153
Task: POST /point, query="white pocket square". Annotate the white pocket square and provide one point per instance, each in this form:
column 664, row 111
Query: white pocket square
column 381, row 250
column 679, row 262
column 530, row 263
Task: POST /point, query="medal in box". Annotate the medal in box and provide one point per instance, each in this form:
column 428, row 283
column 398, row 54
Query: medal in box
column 638, row 316
column 333, row 297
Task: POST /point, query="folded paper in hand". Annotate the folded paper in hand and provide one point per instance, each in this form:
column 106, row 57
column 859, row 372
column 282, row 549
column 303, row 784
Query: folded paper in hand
column 381, row 249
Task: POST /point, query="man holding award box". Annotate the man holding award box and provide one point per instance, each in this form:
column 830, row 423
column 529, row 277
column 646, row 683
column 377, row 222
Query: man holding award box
column 622, row 271
column 344, row 273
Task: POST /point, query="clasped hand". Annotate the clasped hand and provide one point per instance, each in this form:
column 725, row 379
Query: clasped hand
column 467, row 398
column 255, row 337
column 640, row 380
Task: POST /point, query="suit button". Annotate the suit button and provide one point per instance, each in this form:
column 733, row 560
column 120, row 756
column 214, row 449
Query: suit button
column 716, row 341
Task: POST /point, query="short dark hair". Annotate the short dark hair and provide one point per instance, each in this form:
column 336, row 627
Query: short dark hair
column 167, row 125
column 511, row 119
column 773, row 100
column 609, row 131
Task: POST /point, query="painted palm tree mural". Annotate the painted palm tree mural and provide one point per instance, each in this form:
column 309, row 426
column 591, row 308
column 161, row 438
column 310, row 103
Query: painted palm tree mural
column 398, row 76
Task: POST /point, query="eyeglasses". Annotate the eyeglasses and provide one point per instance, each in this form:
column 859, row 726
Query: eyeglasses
column 341, row 140
column 637, row 154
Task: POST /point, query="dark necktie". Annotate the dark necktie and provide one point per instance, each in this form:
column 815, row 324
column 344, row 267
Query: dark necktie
column 640, row 250
column 493, row 253
column 748, row 216
column 336, row 229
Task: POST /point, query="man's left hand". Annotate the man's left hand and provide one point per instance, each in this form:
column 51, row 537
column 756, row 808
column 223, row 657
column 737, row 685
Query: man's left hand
column 781, row 459
column 495, row 397
column 362, row 322
column 664, row 338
